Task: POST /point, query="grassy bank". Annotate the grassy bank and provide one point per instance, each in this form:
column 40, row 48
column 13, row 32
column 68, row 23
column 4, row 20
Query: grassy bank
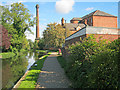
column 32, row 76
column 62, row 61
column 44, row 51
column 7, row 55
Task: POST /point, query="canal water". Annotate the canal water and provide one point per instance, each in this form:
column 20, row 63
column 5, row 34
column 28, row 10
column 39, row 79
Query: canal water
column 14, row 68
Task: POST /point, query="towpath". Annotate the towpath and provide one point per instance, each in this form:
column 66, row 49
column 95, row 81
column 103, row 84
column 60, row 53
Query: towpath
column 52, row 75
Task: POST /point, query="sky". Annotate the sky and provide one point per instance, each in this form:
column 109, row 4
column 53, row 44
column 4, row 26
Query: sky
column 50, row 12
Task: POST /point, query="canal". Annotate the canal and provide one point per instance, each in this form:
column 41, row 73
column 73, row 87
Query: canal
column 14, row 68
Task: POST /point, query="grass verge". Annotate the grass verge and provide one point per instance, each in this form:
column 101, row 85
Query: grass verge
column 44, row 51
column 32, row 76
column 7, row 55
column 63, row 64
column 62, row 61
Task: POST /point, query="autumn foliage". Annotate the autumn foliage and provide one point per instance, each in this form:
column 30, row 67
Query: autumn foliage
column 4, row 38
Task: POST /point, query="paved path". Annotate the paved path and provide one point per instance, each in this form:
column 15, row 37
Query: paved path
column 52, row 75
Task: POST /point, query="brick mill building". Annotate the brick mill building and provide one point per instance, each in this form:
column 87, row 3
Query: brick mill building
column 98, row 23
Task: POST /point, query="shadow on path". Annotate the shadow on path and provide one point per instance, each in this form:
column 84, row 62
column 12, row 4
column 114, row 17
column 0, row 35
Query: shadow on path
column 52, row 75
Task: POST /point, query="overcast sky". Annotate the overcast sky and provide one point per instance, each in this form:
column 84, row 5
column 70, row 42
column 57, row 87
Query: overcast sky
column 50, row 12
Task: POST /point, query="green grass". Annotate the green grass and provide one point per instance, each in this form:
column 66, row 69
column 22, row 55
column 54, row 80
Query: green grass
column 32, row 76
column 62, row 61
column 41, row 51
column 7, row 55
column 63, row 64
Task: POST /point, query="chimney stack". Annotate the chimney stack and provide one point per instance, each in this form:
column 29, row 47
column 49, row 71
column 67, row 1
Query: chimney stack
column 37, row 24
column 62, row 21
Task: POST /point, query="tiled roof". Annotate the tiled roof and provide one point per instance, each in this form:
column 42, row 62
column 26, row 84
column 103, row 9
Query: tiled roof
column 72, row 26
column 98, row 13
column 76, row 18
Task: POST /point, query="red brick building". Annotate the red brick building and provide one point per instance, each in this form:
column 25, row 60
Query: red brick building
column 98, row 23
column 74, row 26
column 96, row 19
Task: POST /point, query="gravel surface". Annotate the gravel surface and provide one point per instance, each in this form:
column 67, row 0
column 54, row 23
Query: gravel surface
column 52, row 75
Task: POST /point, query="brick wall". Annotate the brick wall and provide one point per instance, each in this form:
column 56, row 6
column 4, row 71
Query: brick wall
column 104, row 36
column 74, row 40
column 102, row 21
column 88, row 21
column 97, row 36
column 65, row 51
column 106, row 33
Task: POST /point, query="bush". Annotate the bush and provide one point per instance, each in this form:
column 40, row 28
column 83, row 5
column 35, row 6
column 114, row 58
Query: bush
column 7, row 55
column 62, row 61
column 93, row 64
column 22, row 50
column 14, row 50
column 104, row 72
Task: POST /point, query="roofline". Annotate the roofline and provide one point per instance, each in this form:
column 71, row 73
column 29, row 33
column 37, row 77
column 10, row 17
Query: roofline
column 100, row 15
column 97, row 15
column 88, row 14
column 76, row 20
column 89, row 26
column 104, row 16
column 75, row 32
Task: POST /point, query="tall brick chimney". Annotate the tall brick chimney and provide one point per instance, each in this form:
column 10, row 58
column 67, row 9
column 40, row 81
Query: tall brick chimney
column 37, row 23
column 62, row 21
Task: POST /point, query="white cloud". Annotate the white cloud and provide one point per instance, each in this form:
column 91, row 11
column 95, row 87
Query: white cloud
column 89, row 9
column 29, row 35
column 64, row 6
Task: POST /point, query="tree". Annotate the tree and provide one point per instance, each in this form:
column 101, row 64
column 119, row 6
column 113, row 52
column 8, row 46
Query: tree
column 5, row 44
column 35, row 45
column 41, row 44
column 30, row 43
column 54, row 35
column 17, row 20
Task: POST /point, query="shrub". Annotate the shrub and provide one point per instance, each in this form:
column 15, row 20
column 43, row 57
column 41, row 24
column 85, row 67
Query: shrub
column 104, row 72
column 7, row 55
column 14, row 50
column 22, row 50
column 93, row 64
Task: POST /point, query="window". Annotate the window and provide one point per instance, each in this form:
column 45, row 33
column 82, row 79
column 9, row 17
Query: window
column 91, row 20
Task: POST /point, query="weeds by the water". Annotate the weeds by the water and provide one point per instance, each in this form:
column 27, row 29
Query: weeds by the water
column 7, row 55
column 32, row 76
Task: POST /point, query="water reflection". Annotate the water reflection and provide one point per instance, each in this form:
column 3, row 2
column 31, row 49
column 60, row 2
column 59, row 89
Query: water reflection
column 14, row 68
column 31, row 59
